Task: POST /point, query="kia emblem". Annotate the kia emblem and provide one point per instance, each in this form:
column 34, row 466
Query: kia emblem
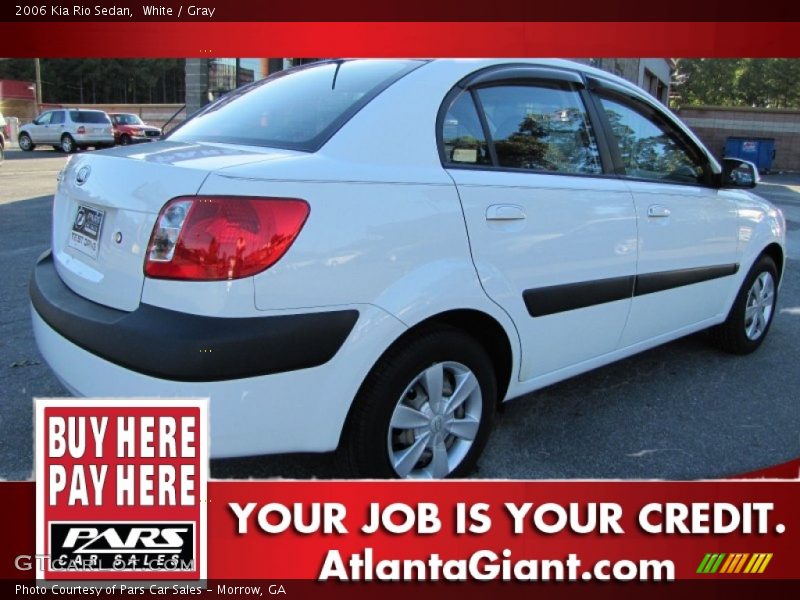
column 83, row 174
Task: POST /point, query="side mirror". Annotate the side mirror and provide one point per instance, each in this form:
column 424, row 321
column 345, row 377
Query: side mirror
column 738, row 173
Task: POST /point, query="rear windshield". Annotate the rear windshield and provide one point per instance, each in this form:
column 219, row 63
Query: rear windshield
column 88, row 116
column 297, row 109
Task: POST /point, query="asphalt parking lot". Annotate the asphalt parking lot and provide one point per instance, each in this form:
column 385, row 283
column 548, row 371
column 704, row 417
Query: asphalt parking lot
column 681, row 411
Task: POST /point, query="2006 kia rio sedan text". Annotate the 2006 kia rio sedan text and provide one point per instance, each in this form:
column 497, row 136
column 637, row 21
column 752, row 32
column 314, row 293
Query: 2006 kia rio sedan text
column 371, row 254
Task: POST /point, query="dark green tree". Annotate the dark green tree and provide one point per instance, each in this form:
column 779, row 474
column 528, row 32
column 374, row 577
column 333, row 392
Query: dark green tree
column 756, row 82
column 103, row 81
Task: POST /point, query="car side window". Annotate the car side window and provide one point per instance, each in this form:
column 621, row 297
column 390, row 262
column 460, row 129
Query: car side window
column 57, row 118
column 43, row 119
column 541, row 127
column 462, row 133
column 650, row 147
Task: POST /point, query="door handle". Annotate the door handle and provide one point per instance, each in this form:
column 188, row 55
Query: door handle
column 656, row 211
column 505, row 212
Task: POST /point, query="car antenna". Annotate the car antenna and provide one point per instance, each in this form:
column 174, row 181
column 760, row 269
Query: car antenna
column 336, row 73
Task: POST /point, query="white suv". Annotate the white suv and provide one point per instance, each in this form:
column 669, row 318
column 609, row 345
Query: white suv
column 369, row 255
column 67, row 130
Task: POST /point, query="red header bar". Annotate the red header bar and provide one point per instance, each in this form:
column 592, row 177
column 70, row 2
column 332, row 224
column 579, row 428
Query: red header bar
column 407, row 10
column 392, row 39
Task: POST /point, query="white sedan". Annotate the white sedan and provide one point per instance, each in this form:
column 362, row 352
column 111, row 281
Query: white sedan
column 370, row 255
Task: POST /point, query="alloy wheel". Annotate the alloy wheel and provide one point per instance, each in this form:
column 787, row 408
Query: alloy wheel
column 435, row 422
column 759, row 306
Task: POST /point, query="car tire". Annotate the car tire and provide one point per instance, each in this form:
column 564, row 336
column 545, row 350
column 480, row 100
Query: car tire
column 25, row 142
column 395, row 431
column 67, row 144
column 125, row 139
column 750, row 317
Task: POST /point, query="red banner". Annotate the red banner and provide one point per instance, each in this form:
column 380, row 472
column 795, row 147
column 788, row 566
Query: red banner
column 470, row 531
column 391, row 39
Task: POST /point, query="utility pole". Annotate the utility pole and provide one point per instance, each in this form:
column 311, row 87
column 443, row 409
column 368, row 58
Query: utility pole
column 38, row 91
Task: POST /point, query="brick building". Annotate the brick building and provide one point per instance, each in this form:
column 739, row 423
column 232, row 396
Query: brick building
column 651, row 74
column 714, row 124
column 17, row 99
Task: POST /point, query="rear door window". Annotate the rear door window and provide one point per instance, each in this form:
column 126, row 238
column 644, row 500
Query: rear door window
column 57, row 118
column 540, row 127
column 295, row 109
column 462, row 134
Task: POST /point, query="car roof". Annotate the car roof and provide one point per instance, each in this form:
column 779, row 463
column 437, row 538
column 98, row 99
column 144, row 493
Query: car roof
column 370, row 137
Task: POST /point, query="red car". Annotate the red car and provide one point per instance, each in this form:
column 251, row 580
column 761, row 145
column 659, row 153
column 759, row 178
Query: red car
column 130, row 129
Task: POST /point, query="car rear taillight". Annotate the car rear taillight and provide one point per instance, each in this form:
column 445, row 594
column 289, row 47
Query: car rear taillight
column 210, row 238
column 81, row 130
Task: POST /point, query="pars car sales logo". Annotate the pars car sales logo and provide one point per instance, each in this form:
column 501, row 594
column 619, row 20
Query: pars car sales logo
column 121, row 489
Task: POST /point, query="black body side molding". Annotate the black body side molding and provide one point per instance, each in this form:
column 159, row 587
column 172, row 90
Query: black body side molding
column 561, row 298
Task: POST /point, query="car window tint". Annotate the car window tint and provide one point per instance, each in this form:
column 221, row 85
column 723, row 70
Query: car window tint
column 88, row 116
column 462, row 133
column 295, row 109
column 540, row 127
column 650, row 149
column 57, row 118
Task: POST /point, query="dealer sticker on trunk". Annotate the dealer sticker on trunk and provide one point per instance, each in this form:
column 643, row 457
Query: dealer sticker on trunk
column 85, row 234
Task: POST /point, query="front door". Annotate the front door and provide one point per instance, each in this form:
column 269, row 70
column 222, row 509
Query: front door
column 39, row 128
column 687, row 227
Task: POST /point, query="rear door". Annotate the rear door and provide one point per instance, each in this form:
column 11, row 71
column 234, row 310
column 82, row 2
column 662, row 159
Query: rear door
column 553, row 237
column 688, row 232
column 56, row 127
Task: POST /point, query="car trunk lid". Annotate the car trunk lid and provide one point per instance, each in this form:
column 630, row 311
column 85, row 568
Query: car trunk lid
column 107, row 203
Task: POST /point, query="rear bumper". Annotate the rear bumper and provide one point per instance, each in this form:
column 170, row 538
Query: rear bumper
column 90, row 139
column 291, row 411
column 184, row 347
